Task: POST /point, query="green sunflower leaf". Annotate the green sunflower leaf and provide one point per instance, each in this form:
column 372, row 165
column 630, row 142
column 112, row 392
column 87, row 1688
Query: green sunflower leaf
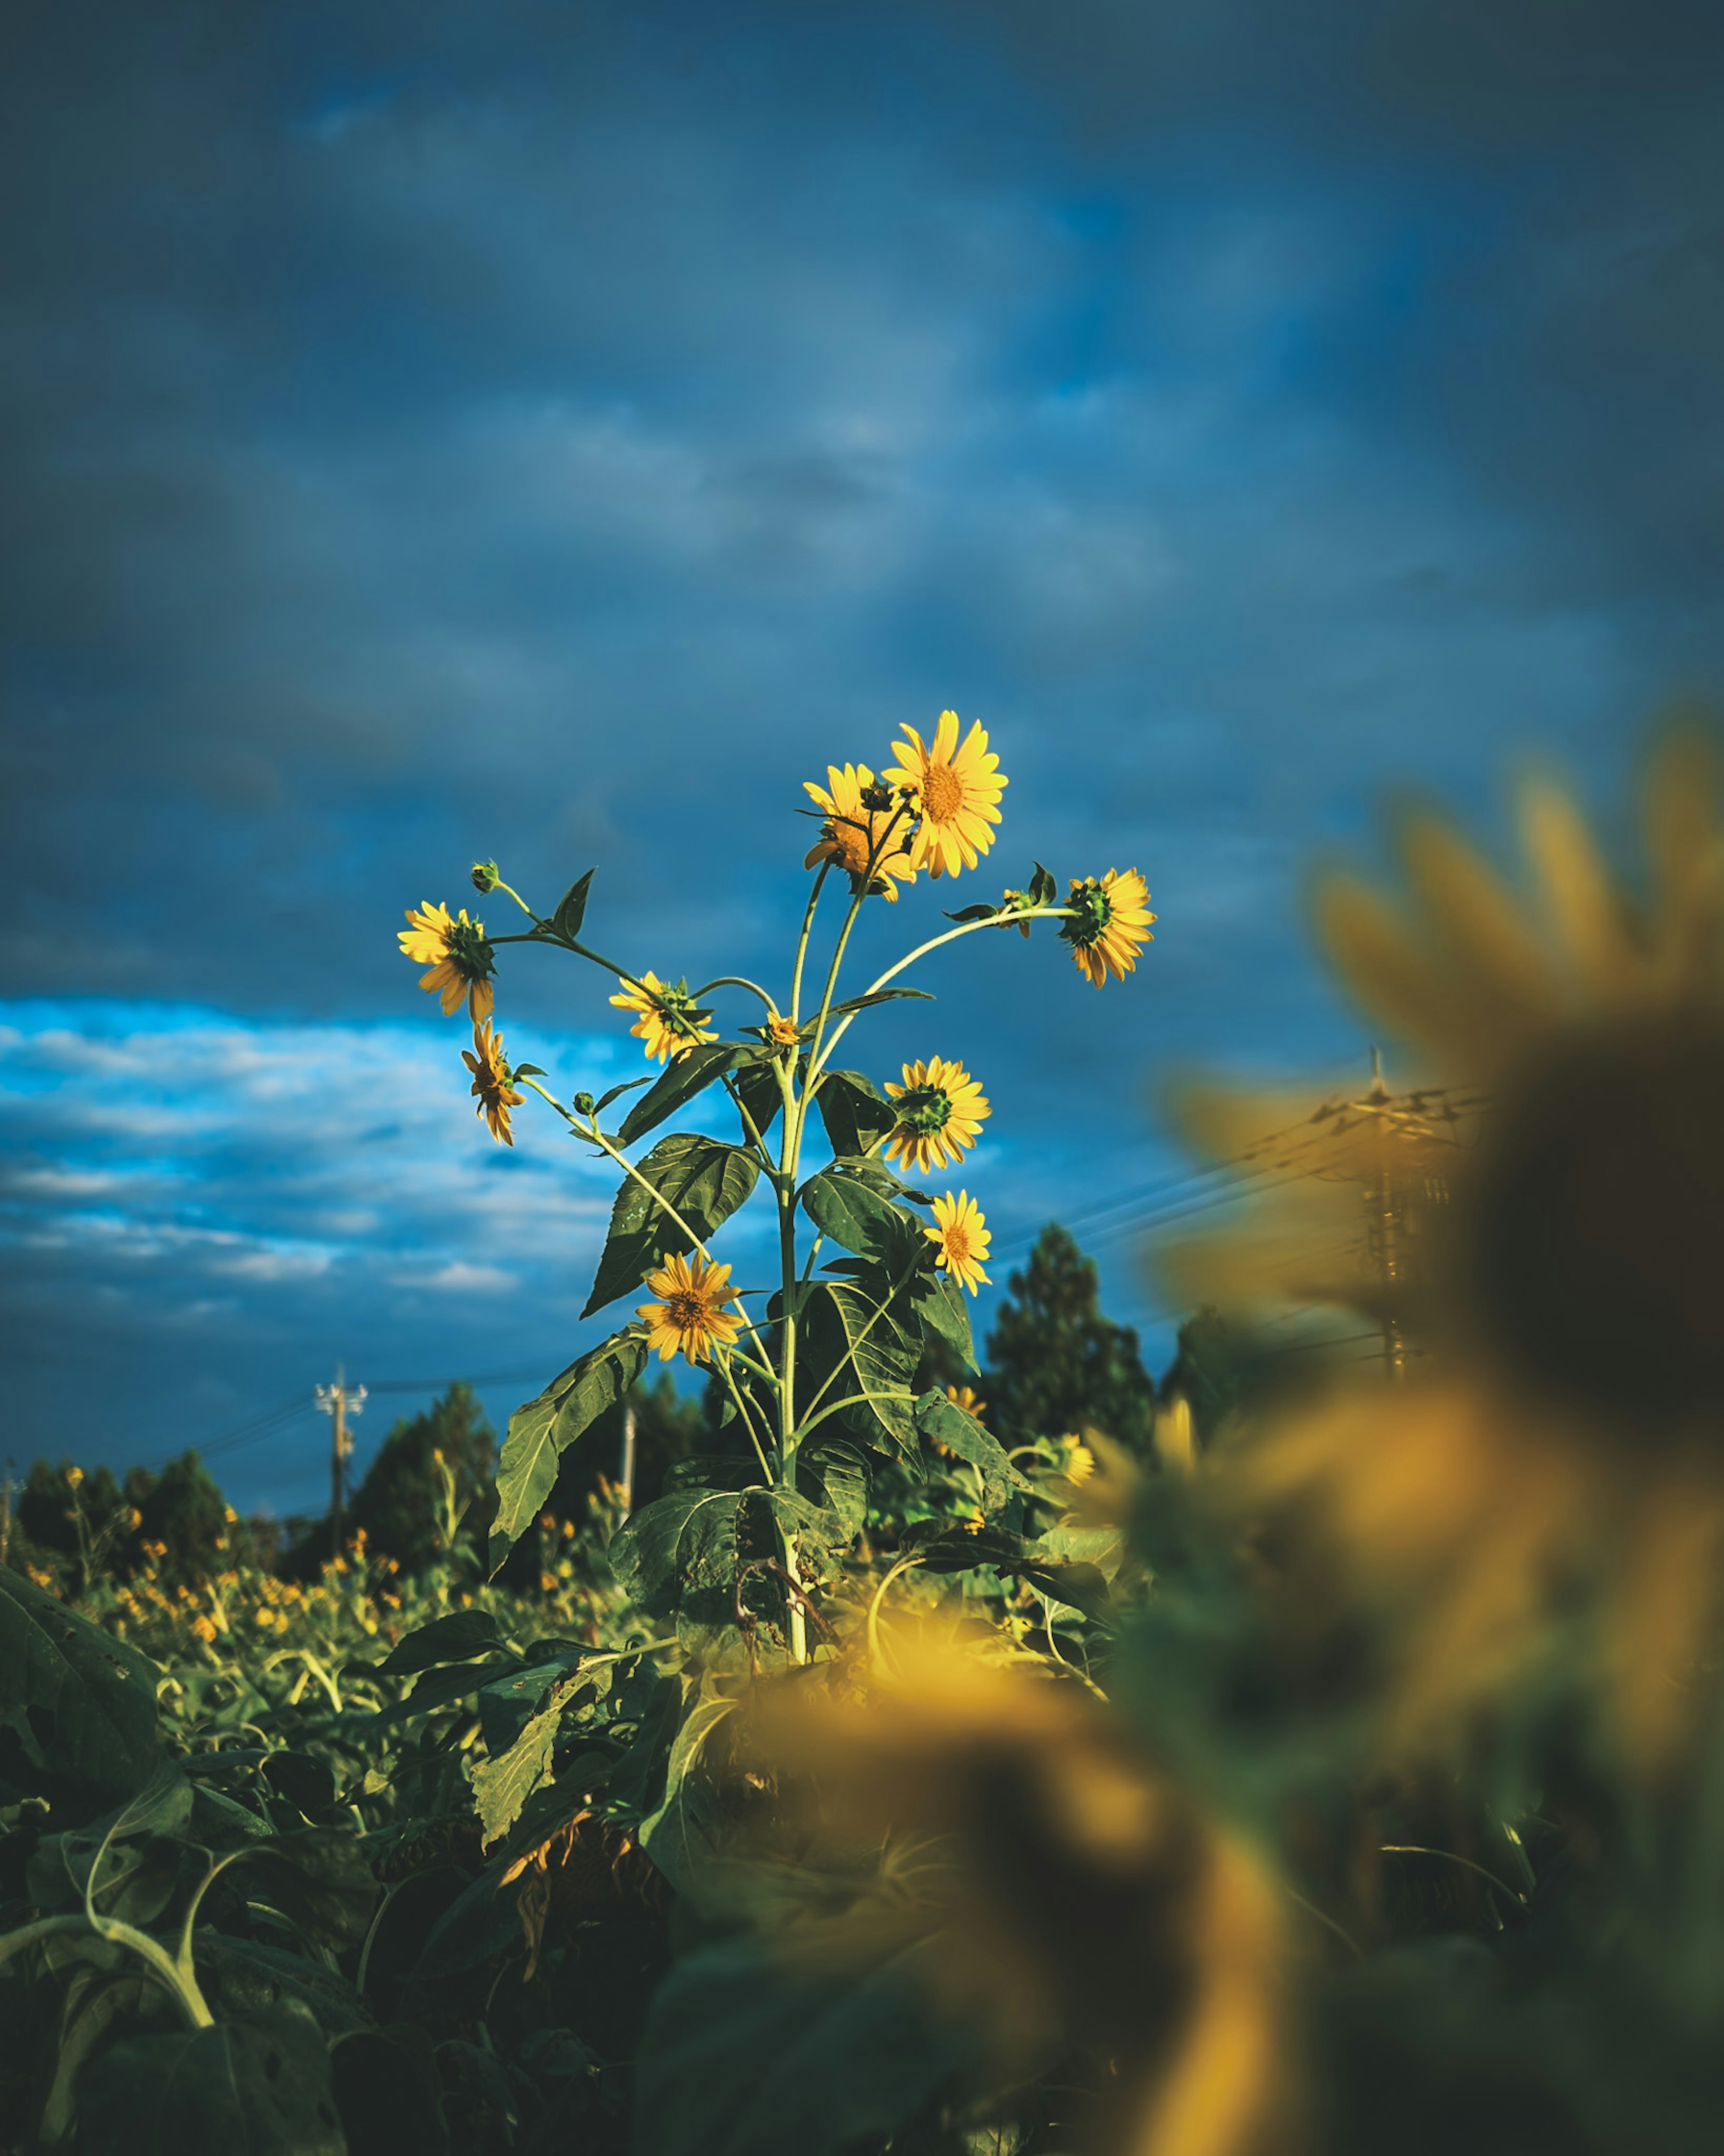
column 571, row 908
column 942, row 1422
column 941, row 1304
column 1044, row 890
column 616, row 1093
column 861, row 1337
column 844, row 1208
column 683, row 1077
column 974, row 913
column 880, row 996
column 703, row 1179
column 856, row 1114
column 542, row 1430
column 755, row 1083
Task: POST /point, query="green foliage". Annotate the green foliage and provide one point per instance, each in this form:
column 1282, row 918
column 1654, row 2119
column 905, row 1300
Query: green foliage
column 1055, row 1362
column 403, row 1503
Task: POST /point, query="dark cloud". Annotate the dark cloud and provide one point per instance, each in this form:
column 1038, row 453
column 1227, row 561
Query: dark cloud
column 556, row 432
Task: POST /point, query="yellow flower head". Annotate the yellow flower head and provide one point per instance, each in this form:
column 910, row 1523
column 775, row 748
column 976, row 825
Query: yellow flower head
column 492, row 1081
column 963, row 1240
column 667, row 1020
column 1109, row 923
column 962, row 1396
column 460, row 959
column 783, row 1032
column 956, row 791
column 1535, row 1456
column 1079, row 1461
column 870, row 840
column 940, row 1110
column 691, row 1318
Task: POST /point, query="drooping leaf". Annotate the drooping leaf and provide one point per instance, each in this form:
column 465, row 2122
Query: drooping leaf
column 684, row 1076
column 943, row 1422
column 77, row 1705
column 541, row 1430
column 844, row 1207
column 128, row 1859
column 743, row 2057
column 455, row 1638
column 263, row 2087
column 671, row 1833
column 853, row 1110
column 973, row 913
column 702, row 1178
column 506, row 1706
column 616, row 1092
column 939, row 1301
column 686, row 1539
column 502, row 1785
column 445, row 1684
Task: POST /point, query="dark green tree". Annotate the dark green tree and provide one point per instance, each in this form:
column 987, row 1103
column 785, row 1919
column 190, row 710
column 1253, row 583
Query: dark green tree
column 184, row 1509
column 1055, row 1362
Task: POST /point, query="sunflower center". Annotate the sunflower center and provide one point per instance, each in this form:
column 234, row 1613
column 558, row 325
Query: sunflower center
column 1092, row 910
column 942, row 793
column 1591, row 1233
column 687, row 1312
column 924, row 1108
column 958, row 1242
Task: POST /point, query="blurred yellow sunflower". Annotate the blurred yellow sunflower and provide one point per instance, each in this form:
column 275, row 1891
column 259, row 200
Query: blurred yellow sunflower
column 493, row 1081
column 962, row 1234
column 1110, row 924
column 691, row 1319
column 940, row 1110
column 956, row 789
column 1056, row 1889
column 1556, row 1445
column 962, row 1396
column 869, row 840
column 459, row 960
column 666, row 1019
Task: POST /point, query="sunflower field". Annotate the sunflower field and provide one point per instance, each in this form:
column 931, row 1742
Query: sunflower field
column 1327, row 1769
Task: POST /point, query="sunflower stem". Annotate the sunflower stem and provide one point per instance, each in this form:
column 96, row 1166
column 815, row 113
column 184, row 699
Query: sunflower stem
column 734, row 981
column 802, row 944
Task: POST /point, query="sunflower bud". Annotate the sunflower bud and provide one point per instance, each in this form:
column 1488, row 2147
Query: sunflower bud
column 486, row 876
column 583, row 1104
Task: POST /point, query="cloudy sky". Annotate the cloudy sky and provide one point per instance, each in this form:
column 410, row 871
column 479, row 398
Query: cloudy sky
column 555, row 431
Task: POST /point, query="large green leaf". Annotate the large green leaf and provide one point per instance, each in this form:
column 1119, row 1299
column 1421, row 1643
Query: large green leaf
column 844, row 1208
column 742, row 2056
column 571, row 908
column 540, row 1432
column 77, row 1705
column 755, row 1083
column 686, row 1539
column 502, row 1785
column 1078, row 1586
column 262, row 2088
column 455, row 1638
column 703, row 1179
column 853, row 1110
column 940, row 1302
column 684, row 1076
column 943, row 1422
column 861, row 1337
column 671, row 1834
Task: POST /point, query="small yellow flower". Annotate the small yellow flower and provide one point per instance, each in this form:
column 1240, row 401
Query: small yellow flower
column 957, row 791
column 1110, row 925
column 457, row 955
column 940, row 1110
column 668, row 1022
column 264, row 1618
column 961, row 1396
column 492, row 1081
column 784, row 1032
column 1079, row 1461
column 963, row 1239
column 691, row 1317
column 871, row 843
column 205, row 1631
column 75, row 1475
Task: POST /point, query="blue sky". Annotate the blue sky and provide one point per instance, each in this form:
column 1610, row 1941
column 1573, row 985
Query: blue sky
column 555, row 431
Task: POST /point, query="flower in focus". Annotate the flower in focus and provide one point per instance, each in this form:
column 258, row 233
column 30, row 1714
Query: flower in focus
column 1108, row 925
column 962, row 1236
column 1055, row 1888
column 667, row 1021
column 1554, row 1440
column 940, row 1110
column 459, row 958
column 957, row 791
column 872, row 844
column 783, row 1032
column 691, row 1318
column 493, row 1086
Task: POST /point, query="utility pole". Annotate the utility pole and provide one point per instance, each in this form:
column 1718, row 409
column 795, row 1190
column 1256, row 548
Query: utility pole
column 340, row 1401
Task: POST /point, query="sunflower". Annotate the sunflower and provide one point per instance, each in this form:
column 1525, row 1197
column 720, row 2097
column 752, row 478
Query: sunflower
column 457, row 954
column 783, row 1032
column 493, row 1081
column 962, row 1396
column 870, row 838
column 691, row 1318
column 1047, row 1886
column 1553, row 1453
column 963, row 1239
column 956, row 790
column 1109, row 924
column 667, row 1022
column 940, row 1110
